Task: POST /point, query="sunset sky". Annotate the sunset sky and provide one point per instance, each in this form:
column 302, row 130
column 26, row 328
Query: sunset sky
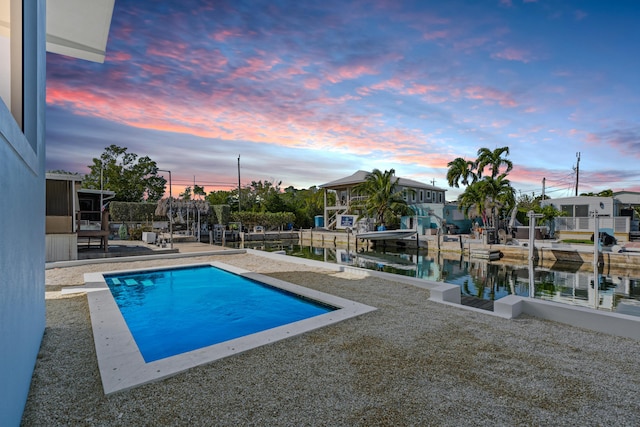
column 309, row 92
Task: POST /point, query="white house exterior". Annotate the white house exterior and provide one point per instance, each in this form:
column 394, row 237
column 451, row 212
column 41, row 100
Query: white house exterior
column 616, row 215
column 23, row 41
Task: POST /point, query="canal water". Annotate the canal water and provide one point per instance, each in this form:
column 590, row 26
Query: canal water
column 571, row 283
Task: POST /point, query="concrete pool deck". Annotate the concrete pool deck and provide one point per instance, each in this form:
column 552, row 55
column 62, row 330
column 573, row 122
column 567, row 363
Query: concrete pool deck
column 411, row 362
column 122, row 365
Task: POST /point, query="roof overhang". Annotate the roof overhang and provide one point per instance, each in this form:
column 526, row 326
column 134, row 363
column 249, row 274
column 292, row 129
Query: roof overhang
column 79, row 28
column 96, row 192
column 64, row 176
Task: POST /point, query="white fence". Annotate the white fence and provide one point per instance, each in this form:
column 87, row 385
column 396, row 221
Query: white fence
column 619, row 224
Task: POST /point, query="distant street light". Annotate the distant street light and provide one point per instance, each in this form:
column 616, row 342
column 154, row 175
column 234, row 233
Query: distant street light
column 170, row 208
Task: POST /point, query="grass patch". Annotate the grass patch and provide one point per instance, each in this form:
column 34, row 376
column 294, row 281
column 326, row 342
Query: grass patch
column 586, row 242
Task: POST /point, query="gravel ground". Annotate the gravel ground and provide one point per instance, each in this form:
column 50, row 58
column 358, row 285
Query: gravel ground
column 411, row 362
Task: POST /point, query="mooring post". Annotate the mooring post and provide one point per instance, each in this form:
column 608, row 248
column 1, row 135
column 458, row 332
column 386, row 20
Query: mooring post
column 596, row 258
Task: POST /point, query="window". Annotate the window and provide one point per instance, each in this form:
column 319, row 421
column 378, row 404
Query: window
column 413, row 196
column 582, row 211
column 11, row 72
column 421, row 195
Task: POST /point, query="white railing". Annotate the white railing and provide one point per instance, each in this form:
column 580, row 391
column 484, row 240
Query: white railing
column 619, row 224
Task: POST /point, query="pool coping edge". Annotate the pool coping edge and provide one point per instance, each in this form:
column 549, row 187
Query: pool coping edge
column 121, row 364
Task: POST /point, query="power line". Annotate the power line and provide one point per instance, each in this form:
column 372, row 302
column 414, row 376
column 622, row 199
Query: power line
column 204, row 183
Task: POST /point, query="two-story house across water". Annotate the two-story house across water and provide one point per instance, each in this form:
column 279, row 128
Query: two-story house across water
column 427, row 201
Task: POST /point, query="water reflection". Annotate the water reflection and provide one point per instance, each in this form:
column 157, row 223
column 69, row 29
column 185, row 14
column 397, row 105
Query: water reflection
column 572, row 283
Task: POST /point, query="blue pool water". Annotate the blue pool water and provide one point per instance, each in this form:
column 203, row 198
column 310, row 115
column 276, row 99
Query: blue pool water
column 174, row 311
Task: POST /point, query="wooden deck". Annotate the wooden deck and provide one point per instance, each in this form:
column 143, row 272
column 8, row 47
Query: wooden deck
column 476, row 302
column 102, row 234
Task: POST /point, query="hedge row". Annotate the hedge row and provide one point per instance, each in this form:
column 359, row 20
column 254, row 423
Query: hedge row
column 269, row 220
column 141, row 212
column 132, row 211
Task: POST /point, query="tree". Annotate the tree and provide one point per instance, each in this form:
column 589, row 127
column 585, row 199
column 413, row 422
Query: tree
column 133, row 179
column 489, row 194
column 186, row 194
column 603, row 193
column 493, row 160
column 220, row 197
column 473, row 197
column 199, row 191
column 383, row 196
column 460, row 170
column 499, row 193
column 305, row 204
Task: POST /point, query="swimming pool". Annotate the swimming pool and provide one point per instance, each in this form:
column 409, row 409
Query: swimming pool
column 120, row 359
column 175, row 311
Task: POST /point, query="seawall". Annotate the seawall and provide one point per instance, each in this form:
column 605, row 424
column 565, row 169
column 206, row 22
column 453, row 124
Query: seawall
column 546, row 252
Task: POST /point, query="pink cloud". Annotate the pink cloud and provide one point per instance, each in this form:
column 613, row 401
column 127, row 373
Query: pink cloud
column 118, row 57
column 225, row 116
column 489, row 96
column 312, row 83
column 253, row 67
column 391, row 84
column 435, row 35
column 206, row 62
column 349, row 72
column 512, row 54
column 155, row 70
column 418, row 89
column 168, row 49
column 500, row 124
column 223, row 35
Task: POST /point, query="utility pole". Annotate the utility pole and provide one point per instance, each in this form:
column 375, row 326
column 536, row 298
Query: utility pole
column 577, row 171
column 170, row 208
column 101, row 190
column 544, row 180
column 239, row 183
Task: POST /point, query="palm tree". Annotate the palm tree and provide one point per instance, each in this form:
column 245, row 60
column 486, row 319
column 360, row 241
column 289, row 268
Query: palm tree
column 499, row 194
column 473, row 197
column 493, row 160
column 383, row 195
column 486, row 196
column 460, row 170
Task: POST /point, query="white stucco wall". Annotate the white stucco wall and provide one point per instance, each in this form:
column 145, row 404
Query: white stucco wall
column 22, row 190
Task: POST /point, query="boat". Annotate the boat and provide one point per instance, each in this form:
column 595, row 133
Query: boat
column 386, row 234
